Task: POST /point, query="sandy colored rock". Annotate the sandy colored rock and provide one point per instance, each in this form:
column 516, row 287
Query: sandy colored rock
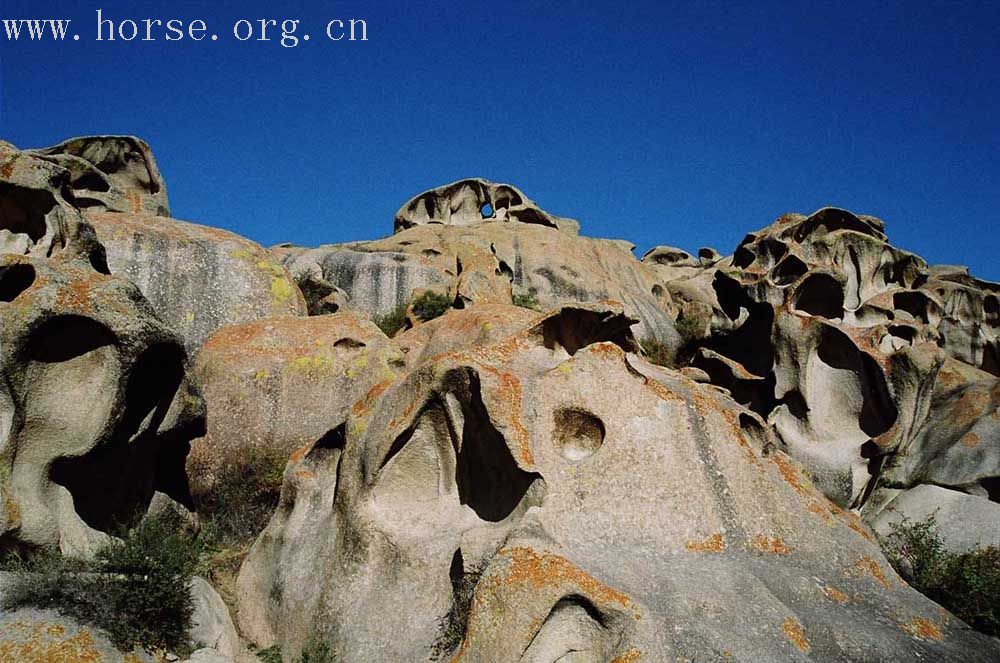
column 197, row 278
column 520, row 500
column 274, row 385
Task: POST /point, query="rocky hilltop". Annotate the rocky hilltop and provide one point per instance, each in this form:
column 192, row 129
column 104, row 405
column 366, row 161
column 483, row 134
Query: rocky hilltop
column 497, row 439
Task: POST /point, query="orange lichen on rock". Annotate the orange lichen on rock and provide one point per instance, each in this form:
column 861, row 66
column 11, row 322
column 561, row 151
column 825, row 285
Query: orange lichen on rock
column 630, row 656
column 795, row 634
column 970, row 440
column 868, row 566
column 369, row 399
column 39, row 643
column 713, row 544
column 923, row 629
column 538, row 570
column 789, row 472
column 767, row 544
column 835, row 595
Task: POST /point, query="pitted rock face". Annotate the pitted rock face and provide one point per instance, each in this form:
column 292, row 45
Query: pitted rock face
column 111, row 173
column 37, row 217
column 95, row 410
column 839, row 339
column 551, row 496
column 474, row 201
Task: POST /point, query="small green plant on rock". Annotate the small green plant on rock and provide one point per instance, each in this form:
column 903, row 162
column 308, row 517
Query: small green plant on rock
column 657, row 352
column 526, row 300
column 429, row 305
column 392, row 322
column 136, row 589
column 967, row 583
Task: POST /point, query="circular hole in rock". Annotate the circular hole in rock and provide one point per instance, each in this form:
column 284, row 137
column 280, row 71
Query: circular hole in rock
column 486, row 210
column 578, row 434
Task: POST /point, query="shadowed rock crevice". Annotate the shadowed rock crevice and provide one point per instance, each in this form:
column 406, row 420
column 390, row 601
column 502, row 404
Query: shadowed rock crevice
column 14, row 280
column 23, row 211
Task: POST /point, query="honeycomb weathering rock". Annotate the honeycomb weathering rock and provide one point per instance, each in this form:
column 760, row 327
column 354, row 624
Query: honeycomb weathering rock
column 113, row 173
column 474, row 201
column 520, row 501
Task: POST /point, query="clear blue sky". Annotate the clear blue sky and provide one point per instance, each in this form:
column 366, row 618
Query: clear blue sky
column 686, row 125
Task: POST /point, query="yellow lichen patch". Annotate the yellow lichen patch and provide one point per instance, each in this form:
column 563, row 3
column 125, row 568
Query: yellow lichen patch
column 796, row 634
column 713, row 544
column 630, row 656
column 261, row 375
column 773, row 545
column 923, row 629
column 40, row 643
column 538, row 570
column 281, row 289
column 970, row 440
column 835, row 595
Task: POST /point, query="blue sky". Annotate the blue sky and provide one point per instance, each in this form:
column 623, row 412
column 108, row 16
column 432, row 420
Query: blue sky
column 686, row 125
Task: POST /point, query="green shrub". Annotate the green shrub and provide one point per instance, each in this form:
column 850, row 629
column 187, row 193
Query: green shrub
column 270, row 655
column 968, row 584
column 429, row 305
column 391, row 323
column 526, row 301
column 689, row 329
column 243, row 498
column 315, row 651
column 136, row 589
column 657, row 352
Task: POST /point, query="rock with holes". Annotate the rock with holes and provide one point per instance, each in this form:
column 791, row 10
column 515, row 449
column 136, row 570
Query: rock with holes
column 198, row 279
column 519, row 500
column 274, row 385
column 837, row 337
column 93, row 394
column 36, row 218
column 474, row 201
column 493, row 263
column 113, row 173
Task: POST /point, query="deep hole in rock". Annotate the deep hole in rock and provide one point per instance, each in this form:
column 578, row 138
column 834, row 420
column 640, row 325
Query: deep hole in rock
column 878, row 412
column 915, row 303
column 820, row 295
column 67, row 336
column 578, row 434
column 14, row 280
column 23, row 211
column 488, row 479
column 789, row 270
column 126, row 467
column 576, row 328
column 730, row 294
column 91, row 180
column 992, row 487
column 486, row 211
column 453, row 625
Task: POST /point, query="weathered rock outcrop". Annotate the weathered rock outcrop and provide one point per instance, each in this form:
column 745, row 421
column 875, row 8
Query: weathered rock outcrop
column 93, row 391
column 491, row 263
column 853, row 349
column 519, row 501
column 198, row 279
column 275, row 385
column 113, row 173
column 474, row 201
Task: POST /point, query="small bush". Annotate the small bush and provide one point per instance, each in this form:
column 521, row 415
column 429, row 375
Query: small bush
column 244, row 497
column 429, row 305
column 657, row 352
column 391, row 323
column 136, row 589
column 689, row 329
column 968, row 584
column 526, row 301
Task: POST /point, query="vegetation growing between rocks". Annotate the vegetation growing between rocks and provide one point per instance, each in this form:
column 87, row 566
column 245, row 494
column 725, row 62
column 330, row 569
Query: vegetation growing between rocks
column 135, row 589
column 391, row 323
column 429, row 305
column 527, row 300
column 243, row 498
column 657, row 352
column 968, row 584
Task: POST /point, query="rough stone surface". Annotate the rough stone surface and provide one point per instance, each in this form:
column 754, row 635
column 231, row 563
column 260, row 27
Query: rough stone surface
column 519, row 501
column 492, row 263
column 44, row 636
column 211, row 625
column 274, row 385
column 474, row 201
column 114, row 173
column 197, row 278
